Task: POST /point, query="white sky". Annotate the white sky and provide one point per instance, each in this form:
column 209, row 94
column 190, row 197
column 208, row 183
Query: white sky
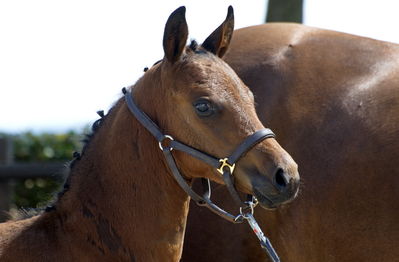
column 61, row 61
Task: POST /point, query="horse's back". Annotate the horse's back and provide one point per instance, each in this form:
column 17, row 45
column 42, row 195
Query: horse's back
column 10, row 233
column 317, row 87
column 30, row 240
column 325, row 84
column 333, row 100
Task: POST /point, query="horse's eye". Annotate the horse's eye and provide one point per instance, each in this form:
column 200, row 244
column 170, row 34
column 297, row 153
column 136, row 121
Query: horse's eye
column 203, row 108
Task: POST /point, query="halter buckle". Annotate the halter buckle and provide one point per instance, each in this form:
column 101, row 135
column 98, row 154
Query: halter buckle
column 224, row 164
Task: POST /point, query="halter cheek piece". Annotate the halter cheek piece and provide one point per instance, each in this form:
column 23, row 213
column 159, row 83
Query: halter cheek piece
column 224, row 166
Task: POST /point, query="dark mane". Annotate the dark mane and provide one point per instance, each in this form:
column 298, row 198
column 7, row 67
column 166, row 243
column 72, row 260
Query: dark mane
column 194, row 45
column 27, row 213
column 78, row 155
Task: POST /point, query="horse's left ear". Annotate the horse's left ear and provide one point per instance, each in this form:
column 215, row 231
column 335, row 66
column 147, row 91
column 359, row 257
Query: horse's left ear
column 175, row 35
column 218, row 42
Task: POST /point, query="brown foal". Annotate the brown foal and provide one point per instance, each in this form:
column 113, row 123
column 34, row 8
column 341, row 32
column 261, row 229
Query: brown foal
column 121, row 202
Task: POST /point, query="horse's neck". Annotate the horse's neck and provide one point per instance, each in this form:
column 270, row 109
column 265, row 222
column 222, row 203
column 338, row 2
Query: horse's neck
column 121, row 200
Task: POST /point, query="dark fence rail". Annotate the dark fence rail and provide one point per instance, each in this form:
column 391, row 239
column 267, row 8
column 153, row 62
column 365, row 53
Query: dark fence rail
column 33, row 170
column 10, row 171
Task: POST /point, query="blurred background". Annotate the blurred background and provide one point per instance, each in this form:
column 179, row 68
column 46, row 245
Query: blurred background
column 61, row 61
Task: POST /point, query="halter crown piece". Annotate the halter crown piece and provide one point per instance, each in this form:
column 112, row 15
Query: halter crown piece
column 224, row 166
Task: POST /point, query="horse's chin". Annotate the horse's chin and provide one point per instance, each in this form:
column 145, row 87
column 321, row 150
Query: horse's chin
column 264, row 201
column 273, row 202
column 267, row 206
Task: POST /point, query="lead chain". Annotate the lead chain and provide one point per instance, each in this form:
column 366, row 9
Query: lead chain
column 264, row 241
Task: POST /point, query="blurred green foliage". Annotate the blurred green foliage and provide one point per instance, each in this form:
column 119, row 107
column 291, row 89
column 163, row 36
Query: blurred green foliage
column 285, row 11
column 35, row 193
column 29, row 147
column 45, row 147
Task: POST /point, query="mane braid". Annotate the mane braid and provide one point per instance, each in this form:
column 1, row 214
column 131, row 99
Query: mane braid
column 193, row 45
column 77, row 157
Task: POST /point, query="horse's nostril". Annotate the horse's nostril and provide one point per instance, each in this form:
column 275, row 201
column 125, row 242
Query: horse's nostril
column 281, row 179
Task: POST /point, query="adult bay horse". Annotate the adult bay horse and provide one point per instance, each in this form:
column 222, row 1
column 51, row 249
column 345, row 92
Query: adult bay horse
column 333, row 100
column 121, row 201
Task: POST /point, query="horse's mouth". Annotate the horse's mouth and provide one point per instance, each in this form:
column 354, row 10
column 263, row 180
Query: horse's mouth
column 264, row 201
column 271, row 202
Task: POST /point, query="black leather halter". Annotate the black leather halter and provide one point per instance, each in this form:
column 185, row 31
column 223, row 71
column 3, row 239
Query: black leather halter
column 224, row 166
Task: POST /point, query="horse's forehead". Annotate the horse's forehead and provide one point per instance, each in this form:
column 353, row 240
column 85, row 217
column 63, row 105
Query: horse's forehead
column 208, row 69
column 211, row 76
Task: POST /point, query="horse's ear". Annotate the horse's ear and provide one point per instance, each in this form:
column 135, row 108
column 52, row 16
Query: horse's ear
column 218, row 42
column 175, row 35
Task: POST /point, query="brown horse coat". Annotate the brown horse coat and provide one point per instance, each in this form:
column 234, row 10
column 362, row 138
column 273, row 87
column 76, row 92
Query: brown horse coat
column 333, row 100
column 121, row 202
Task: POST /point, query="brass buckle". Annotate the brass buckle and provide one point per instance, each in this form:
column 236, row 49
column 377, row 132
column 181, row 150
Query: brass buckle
column 224, row 164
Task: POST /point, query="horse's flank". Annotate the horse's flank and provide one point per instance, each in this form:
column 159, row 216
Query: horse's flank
column 333, row 100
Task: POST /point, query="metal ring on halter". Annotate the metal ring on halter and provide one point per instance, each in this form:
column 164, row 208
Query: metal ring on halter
column 250, row 208
column 164, row 137
column 254, row 201
column 243, row 214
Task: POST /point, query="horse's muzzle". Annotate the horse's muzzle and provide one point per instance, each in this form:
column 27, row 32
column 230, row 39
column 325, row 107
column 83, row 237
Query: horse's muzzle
column 285, row 190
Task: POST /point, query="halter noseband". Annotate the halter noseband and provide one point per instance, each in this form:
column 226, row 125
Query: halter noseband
column 224, row 166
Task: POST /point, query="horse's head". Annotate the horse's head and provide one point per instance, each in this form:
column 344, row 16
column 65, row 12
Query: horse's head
column 197, row 98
